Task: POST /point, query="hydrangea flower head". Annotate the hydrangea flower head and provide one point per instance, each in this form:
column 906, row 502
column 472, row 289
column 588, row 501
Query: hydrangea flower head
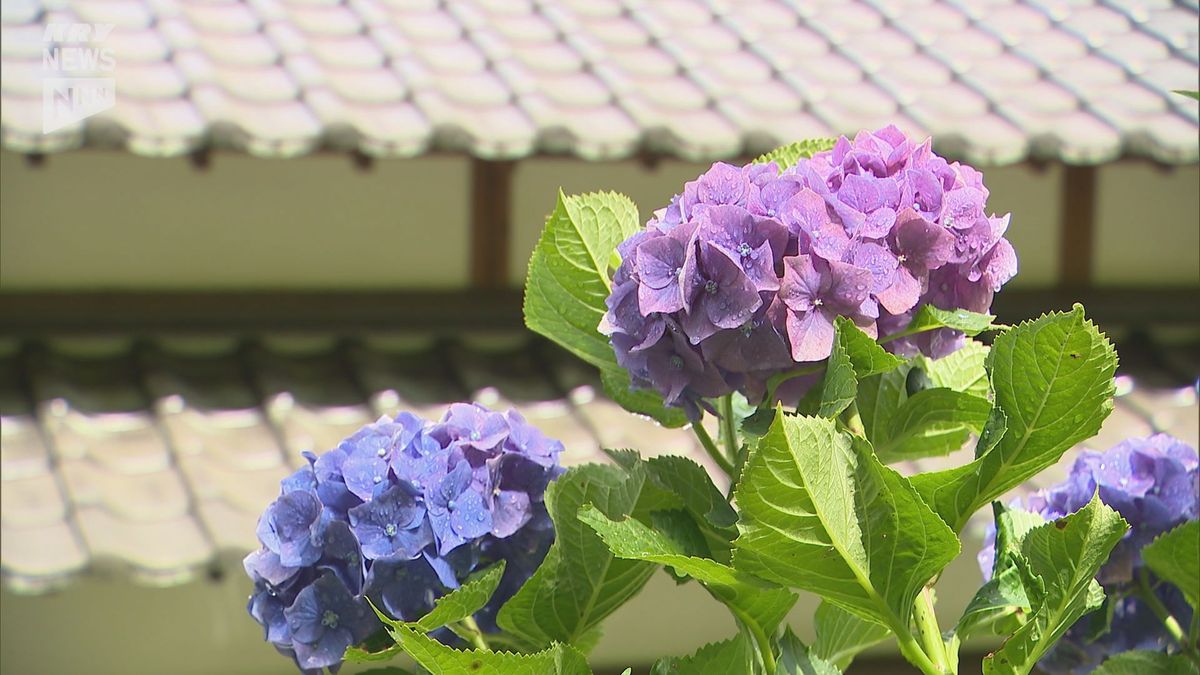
column 742, row 275
column 1154, row 483
column 399, row 512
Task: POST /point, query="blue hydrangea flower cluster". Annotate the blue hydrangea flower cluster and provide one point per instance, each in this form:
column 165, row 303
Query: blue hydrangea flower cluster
column 399, row 513
column 743, row 274
column 1154, row 484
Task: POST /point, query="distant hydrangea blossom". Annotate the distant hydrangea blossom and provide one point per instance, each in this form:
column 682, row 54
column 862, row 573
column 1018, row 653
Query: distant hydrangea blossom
column 742, row 275
column 400, row 512
column 1155, row 485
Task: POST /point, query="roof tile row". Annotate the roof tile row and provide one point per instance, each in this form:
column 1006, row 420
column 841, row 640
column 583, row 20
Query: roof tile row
column 701, row 79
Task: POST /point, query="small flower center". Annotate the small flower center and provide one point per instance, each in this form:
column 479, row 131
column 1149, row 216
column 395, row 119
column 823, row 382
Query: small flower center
column 378, row 479
column 818, row 302
column 390, row 529
column 329, row 619
column 902, row 258
column 451, row 504
column 710, row 287
column 676, row 362
column 948, row 221
column 744, row 250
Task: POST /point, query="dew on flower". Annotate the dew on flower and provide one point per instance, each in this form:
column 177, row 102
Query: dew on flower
column 727, row 250
column 392, row 538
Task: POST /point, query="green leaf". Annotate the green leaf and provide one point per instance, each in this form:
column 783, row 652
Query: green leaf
column 390, row 670
column 1146, row 662
column 796, row 659
column 439, row 659
column 568, row 283
column 879, row 397
column 464, row 600
column 1189, row 94
column 688, row 485
column 787, row 156
column 839, row 385
column 639, row 401
column 842, row 635
column 1053, row 381
column 1175, row 556
column 820, row 513
column 695, row 488
column 568, row 273
column 929, row 317
column 580, row 582
column 865, row 354
column 999, row 598
column 961, row 370
column 758, row 604
column 931, row 423
column 735, row 655
column 360, row 655
column 1065, row 554
column 854, row 355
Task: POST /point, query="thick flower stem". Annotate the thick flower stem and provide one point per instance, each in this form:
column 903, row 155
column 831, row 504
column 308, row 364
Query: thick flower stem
column 711, row 448
column 1146, row 593
column 729, row 436
column 931, row 634
column 472, row 630
column 912, row 652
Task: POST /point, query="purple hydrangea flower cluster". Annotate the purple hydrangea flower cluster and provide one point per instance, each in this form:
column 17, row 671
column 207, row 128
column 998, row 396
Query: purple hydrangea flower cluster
column 743, row 274
column 400, row 512
column 1154, row 484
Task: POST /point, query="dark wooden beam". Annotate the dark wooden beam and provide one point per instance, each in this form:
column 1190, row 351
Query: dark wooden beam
column 1077, row 236
column 491, row 214
column 30, row 314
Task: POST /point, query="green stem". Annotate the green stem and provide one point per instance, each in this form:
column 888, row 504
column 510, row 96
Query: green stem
column 472, row 630
column 1147, row 595
column 912, row 651
column 931, row 634
column 777, row 379
column 711, row 448
column 853, row 420
column 760, row 638
column 729, row 437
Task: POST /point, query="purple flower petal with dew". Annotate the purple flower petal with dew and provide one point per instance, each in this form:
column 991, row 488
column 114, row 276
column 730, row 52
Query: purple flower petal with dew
column 815, row 293
column 342, row 555
column 405, row 589
column 331, row 484
column 324, row 620
column 754, row 243
column 527, row 440
column 264, row 566
column 474, row 426
column 457, row 511
column 391, row 525
column 291, row 527
column 807, row 213
column 721, row 295
column 755, row 345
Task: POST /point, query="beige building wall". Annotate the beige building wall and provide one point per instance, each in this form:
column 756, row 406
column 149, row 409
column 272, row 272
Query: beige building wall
column 111, row 220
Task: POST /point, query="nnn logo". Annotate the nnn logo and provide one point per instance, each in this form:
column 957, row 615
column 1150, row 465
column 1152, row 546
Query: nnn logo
column 74, row 62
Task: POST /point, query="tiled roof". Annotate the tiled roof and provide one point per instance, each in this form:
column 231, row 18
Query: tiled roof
column 154, row 461
column 994, row 81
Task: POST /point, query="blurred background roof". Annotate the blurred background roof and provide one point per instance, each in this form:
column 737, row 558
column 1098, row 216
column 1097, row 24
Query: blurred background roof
column 1083, row 81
